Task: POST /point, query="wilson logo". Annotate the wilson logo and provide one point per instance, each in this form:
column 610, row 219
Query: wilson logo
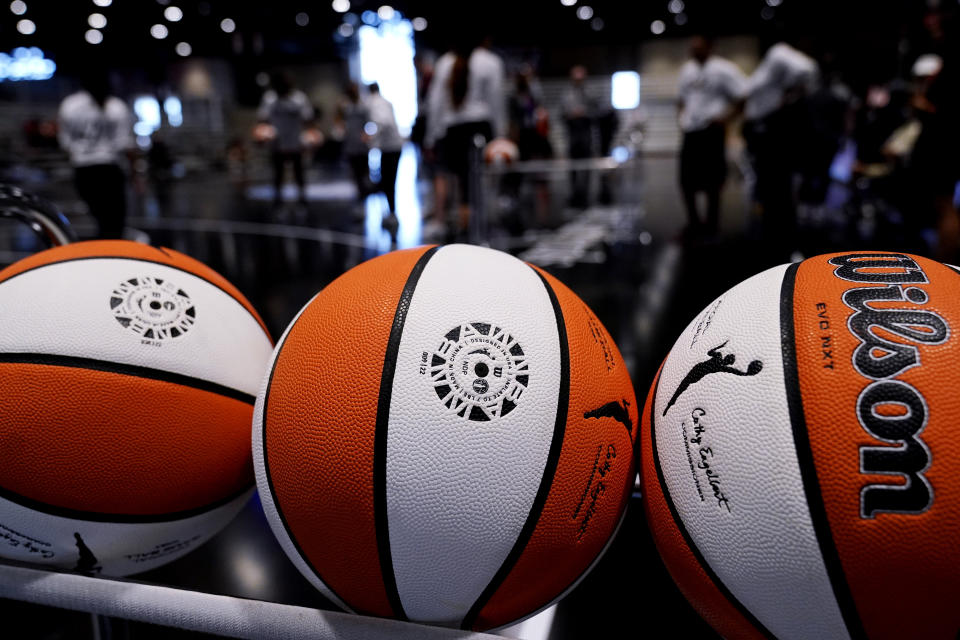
column 891, row 327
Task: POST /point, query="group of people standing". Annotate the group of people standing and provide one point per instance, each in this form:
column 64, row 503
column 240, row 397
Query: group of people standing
column 712, row 92
column 800, row 120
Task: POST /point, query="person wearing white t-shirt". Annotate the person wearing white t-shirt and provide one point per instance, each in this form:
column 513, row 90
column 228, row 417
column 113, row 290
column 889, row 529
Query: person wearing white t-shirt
column 465, row 103
column 711, row 91
column 386, row 137
column 775, row 126
column 288, row 110
column 96, row 129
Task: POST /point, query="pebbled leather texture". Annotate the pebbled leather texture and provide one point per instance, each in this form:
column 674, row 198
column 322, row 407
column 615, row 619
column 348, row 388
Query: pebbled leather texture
column 131, row 373
column 476, row 533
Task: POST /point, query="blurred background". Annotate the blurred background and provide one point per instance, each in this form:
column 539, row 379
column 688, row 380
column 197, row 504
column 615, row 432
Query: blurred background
column 650, row 154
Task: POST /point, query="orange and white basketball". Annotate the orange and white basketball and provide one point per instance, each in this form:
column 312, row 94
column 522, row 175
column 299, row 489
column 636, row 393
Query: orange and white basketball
column 128, row 374
column 799, row 452
column 263, row 132
column 501, row 151
column 445, row 435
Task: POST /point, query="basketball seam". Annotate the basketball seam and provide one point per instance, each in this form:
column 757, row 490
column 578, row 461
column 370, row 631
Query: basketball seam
column 550, row 467
column 381, row 523
column 808, row 471
column 258, row 320
column 74, row 362
column 698, row 556
column 266, row 466
column 118, row 518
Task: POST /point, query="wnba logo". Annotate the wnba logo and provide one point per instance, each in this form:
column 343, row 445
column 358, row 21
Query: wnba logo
column 153, row 308
column 890, row 409
column 479, row 371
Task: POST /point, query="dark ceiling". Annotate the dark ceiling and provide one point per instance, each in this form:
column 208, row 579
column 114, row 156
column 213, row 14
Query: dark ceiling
column 267, row 32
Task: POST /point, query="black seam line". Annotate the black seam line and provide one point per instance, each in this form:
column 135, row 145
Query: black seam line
column 53, row 360
column 266, row 466
column 549, row 469
column 718, row 583
column 123, row 518
column 808, row 471
column 162, row 264
column 381, row 523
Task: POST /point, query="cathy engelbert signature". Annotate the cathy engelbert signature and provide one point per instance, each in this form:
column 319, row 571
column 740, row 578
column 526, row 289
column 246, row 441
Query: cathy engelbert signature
column 702, row 458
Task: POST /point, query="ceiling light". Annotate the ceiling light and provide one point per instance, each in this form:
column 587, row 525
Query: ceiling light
column 158, row 31
column 341, row 6
column 568, row 3
column 302, row 19
column 675, row 6
column 228, row 25
column 26, row 27
column 18, row 7
column 173, row 14
column 102, row 3
column 183, row 49
column 385, row 12
column 93, row 36
column 419, row 24
column 97, row 20
column 585, row 12
column 657, row 27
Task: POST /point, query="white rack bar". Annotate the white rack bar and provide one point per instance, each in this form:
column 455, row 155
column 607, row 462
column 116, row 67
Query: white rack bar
column 205, row 612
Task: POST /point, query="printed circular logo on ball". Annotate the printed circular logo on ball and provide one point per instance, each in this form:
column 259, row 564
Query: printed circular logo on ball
column 154, row 308
column 479, row 371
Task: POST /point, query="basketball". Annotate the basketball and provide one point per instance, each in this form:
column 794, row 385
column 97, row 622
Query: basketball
column 129, row 375
column 445, row 436
column 501, row 151
column 263, row 132
column 799, row 449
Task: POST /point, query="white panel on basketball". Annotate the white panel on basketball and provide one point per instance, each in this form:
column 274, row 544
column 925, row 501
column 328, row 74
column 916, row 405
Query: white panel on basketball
column 466, row 486
column 83, row 289
column 260, row 471
column 763, row 548
column 121, row 548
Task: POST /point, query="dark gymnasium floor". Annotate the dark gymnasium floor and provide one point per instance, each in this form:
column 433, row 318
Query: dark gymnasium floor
column 642, row 282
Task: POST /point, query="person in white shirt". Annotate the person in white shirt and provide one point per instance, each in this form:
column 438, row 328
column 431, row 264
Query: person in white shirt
column 711, row 91
column 465, row 100
column 386, row 137
column 288, row 110
column 96, row 129
column 353, row 115
column 784, row 74
column 579, row 109
column 775, row 122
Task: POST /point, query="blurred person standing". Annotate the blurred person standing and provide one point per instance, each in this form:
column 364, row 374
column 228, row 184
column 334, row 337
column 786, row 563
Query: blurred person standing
column 387, row 138
column 530, row 129
column 579, row 109
column 466, row 106
column 354, row 115
column 424, row 69
column 96, row 129
column 288, row 111
column 776, row 120
column 711, row 91
column 829, row 109
column 526, row 114
column 935, row 161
